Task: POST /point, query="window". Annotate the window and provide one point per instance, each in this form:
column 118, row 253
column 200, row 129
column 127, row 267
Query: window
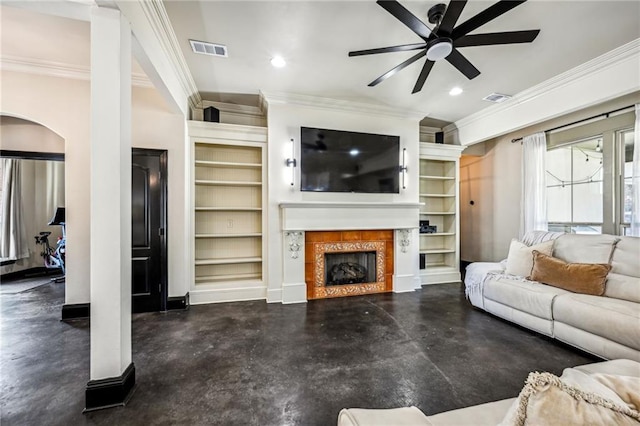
column 575, row 187
column 626, row 141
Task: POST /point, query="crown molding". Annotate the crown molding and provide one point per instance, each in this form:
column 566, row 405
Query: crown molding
column 568, row 78
column 272, row 98
column 59, row 69
column 158, row 19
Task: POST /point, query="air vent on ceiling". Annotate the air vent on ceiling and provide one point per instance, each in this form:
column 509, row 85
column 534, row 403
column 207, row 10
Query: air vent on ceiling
column 496, row 97
column 208, row 48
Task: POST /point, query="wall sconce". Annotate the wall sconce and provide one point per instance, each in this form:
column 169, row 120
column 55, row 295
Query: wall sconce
column 403, row 168
column 291, row 162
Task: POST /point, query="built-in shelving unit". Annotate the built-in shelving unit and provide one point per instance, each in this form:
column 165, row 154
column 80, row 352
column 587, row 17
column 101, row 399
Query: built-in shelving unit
column 439, row 176
column 228, row 199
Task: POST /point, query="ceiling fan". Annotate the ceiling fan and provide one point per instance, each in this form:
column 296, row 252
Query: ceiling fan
column 443, row 41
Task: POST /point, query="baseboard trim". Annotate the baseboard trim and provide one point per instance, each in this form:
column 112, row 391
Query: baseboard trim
column 294, row 293
column 199, row 297
column 76, row 311
column 176, row 303
column 110, row 392
column 38, row 270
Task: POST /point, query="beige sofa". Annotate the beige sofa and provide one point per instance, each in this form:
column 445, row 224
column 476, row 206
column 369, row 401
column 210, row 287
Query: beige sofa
column 607, row 326
column 491, row 413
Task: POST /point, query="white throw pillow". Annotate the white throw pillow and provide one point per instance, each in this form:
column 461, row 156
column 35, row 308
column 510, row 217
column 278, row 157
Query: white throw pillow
column 520, row 259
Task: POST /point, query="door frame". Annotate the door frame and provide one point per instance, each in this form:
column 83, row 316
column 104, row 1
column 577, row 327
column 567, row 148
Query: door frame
column 162, row 154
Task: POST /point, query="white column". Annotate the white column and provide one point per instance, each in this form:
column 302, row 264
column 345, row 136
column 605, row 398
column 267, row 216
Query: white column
column 110, row 194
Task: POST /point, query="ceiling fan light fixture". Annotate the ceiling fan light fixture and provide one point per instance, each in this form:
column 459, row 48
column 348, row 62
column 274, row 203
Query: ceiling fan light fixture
column 278, row 62
column 439, row 49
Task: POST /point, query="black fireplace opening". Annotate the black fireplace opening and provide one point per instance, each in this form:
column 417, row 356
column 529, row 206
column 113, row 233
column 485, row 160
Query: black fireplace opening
column 350, row 268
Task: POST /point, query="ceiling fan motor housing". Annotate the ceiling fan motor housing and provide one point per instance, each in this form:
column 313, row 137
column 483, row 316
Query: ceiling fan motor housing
column 436, row 13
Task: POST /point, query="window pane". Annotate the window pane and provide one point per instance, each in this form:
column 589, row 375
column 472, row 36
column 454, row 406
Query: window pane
column 574, row 187
column 587, row 202
column 559, row 203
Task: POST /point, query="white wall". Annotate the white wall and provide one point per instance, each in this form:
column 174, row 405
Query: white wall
column 492, row 182
column 21, row 135
column 284, row 122
column 62, row 105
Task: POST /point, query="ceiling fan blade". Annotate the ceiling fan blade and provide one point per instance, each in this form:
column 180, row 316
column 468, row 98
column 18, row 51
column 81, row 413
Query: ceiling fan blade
column 406, row 17
column 463, row 65
column 400, row 48
column 394, row 70
column 489, row 14
column 451, row 15
column 508, row 37
column 426, row 69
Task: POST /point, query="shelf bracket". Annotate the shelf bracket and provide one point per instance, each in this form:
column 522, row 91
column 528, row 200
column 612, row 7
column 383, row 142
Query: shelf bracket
column 293, row 239
column 405, row 240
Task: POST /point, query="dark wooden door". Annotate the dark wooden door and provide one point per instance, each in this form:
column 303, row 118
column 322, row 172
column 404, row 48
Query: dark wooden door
column 148, row 231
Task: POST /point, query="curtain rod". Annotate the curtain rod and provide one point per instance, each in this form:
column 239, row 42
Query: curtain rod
column 604, row 114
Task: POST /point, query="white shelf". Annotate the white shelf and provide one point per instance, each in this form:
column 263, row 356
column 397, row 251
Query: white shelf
column 438, row 213
column 438, row 267
column 437, row 234
column 227, row 164
column 228, row 261
column 222, row 278
column 226, row 183
column 228, row 235
column 437, row 251
column 438, row 195
column 437, row 177
column 228, row 209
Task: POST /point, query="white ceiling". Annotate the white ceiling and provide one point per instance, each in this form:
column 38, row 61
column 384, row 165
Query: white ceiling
column 315, row 37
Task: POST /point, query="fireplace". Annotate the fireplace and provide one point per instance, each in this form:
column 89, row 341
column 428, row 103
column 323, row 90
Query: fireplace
column 348, row 263
column 349, row 268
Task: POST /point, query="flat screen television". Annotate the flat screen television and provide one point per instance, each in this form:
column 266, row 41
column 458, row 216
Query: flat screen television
column 339, row 161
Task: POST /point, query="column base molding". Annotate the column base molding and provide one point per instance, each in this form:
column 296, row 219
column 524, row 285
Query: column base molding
column 178, row 302
column 110, row 392
column 76, row 311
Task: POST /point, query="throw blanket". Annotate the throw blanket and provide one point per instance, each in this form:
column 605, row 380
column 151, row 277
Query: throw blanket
column 478, row 272
column 475, row 275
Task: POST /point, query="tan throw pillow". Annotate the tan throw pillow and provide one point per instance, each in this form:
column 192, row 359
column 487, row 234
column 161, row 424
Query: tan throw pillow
column 520, row 258
column 547, row 400
column 586, row 278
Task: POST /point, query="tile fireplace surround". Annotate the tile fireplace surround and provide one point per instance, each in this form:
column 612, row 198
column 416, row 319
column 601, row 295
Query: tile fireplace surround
column 320, row 243
column 309, row 229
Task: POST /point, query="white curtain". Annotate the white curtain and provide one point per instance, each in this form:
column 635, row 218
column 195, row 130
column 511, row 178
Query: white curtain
column 13, row 239
column 533, row 202
column 635, row 180
column 55, row 186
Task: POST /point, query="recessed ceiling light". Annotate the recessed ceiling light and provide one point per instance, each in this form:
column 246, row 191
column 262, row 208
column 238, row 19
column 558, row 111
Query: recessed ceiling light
column 278, row 61
column 354, row 152
column 455, row 91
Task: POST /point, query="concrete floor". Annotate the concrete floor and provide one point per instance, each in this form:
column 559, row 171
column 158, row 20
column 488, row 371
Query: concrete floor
column 252, row 363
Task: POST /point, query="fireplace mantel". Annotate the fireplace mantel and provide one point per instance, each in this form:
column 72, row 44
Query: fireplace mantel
column 323, row 216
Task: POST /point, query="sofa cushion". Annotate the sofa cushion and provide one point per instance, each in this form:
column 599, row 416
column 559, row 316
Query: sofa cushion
column 587, row 278
column 405, row 416
column 489, row 414
column 527, row 296
column 615, row 319
column 576, row 248
column 548, row 400
column 624, row 278
column 520, row 257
